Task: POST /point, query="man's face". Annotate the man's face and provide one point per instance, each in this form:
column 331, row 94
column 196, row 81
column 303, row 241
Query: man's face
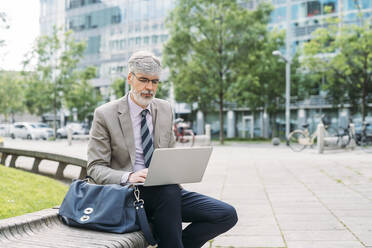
column 143, row 87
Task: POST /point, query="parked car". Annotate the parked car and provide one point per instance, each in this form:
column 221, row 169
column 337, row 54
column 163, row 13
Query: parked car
column 48, row 131
column 5, row 130
column 77, row 129
column 26, row 130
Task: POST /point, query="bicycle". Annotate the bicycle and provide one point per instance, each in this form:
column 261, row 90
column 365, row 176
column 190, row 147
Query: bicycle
column 184, row 135
column 299, row 139
column 345, row 136
column 365, row 141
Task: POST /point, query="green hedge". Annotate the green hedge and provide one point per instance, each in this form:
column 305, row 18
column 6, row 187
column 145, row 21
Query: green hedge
column 23, row 192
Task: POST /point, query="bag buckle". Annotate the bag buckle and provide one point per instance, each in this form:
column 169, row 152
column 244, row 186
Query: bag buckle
column 138, row 201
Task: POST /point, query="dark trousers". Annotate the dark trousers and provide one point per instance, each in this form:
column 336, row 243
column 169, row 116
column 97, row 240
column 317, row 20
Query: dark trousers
column 168, row 206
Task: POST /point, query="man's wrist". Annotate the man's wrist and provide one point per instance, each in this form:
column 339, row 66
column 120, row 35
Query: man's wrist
column 125, row 178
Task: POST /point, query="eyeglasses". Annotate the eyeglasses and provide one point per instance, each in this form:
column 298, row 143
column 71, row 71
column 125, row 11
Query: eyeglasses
column 146, row 80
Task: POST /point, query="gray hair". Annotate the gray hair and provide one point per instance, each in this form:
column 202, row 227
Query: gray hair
column 144, row 62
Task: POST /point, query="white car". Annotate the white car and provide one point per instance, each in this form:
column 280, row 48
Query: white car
column 26, row 130
column 77, row 129
column 48, row 131
column 5, row 130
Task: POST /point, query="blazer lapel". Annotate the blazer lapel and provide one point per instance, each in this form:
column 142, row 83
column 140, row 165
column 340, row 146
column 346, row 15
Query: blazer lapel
column 126, row 127
column 155, row 123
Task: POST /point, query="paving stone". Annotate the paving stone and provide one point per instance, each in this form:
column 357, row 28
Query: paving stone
column 339, row 235
column 324, row 244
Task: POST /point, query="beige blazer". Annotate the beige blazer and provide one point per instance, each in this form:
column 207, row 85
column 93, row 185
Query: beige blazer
column 111, row 147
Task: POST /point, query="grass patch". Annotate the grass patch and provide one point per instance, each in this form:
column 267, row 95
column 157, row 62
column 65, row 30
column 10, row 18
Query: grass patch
column 23, row 192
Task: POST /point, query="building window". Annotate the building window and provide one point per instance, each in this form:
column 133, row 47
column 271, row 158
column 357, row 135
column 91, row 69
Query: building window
column 122, row 44
column 278, row 15
column 154, row 39
column 131, row 42
column 115, row 15
column 138, row 27
column 138, row 41
column 155, row 26
column 329, row 7
column 164, row 37
column 313, row 8
column 94, row 43
column 146, row 40
column 130, row 28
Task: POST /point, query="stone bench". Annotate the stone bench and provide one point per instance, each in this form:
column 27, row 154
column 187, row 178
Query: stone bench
column 44, row 229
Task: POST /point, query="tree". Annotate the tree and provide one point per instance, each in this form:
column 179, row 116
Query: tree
column 209, row 41
column 54, row 74
column 83, row 96
column 11, row 94
column 118, row 87
column 343, row 54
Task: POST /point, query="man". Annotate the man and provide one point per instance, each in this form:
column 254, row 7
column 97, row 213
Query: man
column 123, row 136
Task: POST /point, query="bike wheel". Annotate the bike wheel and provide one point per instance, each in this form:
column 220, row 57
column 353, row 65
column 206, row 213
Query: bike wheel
column 343, row 141
column 297, row 141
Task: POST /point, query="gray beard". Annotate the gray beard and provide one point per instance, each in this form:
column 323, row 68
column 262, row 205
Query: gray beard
column 140, row 99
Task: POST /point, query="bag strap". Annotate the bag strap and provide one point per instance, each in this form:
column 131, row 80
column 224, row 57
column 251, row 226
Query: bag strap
column 141, row 214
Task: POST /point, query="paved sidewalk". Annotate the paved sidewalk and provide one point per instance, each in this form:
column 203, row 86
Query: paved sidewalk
column 294, row 200
column 283, row 199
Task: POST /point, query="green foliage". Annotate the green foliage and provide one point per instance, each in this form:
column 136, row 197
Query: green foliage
column 261, row 83
column 54, row 75
column 163, row 90
column 213, row 45
column 23, row 192
column 343, row 55
column 118, row 87
column 11, row 94
column 82, row 95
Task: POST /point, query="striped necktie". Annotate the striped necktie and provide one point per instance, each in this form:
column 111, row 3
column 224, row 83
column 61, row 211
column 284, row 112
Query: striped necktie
column 147, row 145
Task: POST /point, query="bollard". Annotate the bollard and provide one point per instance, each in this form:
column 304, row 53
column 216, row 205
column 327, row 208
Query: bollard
column 208, row 133
column 320, row 137
column 352, row 144
column 69, row 135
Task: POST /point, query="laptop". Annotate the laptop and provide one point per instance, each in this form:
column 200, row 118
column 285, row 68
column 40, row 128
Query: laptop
column 177, row 165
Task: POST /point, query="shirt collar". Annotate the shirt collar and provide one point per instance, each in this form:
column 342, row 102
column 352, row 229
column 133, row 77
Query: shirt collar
column 134, row 108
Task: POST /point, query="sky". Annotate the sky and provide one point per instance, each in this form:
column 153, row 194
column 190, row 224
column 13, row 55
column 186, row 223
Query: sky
column 23, row 18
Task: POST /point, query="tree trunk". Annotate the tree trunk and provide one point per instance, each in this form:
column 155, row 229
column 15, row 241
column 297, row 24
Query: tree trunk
column 55, row 113
column 364, row 93
column 364, row 104
column 273, row 125
column 221, row 117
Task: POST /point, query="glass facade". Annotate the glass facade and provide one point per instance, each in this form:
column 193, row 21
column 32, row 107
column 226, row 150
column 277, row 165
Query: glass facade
column 112, row 29
column 308, row 15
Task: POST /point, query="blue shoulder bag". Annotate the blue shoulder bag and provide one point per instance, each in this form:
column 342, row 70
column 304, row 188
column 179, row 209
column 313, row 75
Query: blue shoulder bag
column 110, row 208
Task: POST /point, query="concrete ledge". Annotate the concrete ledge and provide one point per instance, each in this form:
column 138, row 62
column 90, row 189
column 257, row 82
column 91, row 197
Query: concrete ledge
column 44, row 229
column 62, row 160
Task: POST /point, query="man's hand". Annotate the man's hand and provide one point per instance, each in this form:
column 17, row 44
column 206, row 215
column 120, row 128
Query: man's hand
column 138, row 176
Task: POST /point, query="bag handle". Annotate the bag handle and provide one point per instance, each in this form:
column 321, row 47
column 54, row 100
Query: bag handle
column 141, row 214
column 89, row 177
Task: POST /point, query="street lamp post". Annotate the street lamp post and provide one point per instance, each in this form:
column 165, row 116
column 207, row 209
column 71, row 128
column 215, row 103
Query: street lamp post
column 287, row 58
column 288, row 61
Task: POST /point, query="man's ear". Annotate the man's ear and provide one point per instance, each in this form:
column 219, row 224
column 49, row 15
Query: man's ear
column 130, row 77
